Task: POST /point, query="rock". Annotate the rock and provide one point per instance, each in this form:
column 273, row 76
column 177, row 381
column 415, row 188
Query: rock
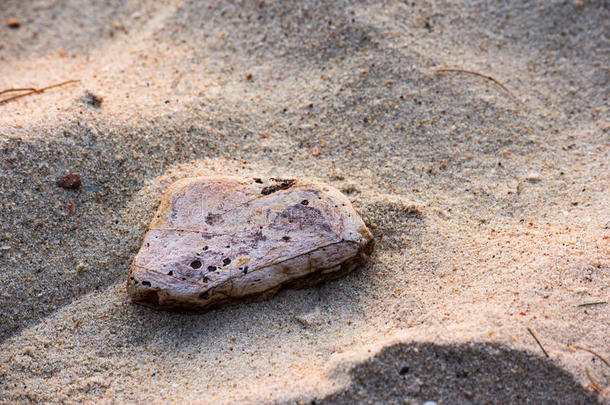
column 533, row 177
column 216, row 241
column 71, row 180
column 13, row 23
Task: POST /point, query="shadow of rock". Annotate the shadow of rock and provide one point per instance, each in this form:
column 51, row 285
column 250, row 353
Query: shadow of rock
column 469, row 373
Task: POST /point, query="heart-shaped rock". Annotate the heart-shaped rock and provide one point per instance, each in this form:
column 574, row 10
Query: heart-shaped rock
column 222, row 240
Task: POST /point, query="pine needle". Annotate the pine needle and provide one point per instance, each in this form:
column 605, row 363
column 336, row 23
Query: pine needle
column 31, row 90
column 503, row 87
column 594, row 384
column 537, row 341
column 593, row 353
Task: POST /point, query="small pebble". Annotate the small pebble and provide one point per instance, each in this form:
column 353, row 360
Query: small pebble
column 312, row 319
column 81, row 267
column 533, row 177
column 13, row 23
column 71, row 181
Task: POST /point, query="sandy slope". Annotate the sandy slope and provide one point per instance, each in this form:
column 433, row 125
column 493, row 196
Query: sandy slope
column 470, row 252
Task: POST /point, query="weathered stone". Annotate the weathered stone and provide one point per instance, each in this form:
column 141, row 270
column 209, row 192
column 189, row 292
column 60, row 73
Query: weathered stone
column 71, row 181
column 221, row 240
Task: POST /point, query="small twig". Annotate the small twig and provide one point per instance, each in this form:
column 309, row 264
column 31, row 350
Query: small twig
column 588, row 304
column 594, row 383
column 32, row 90
column 593, row 353
column 503, row 87
column 537, row 341
column 13, row 90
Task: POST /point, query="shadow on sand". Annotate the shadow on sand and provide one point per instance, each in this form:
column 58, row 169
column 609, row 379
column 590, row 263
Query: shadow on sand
column 469, row 373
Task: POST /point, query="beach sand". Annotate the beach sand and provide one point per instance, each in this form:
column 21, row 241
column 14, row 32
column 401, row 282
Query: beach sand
column 489, row 204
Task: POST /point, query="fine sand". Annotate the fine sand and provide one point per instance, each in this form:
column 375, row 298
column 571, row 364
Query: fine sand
column 490, row 205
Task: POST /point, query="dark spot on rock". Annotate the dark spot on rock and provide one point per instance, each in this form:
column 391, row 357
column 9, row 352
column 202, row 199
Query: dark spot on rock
column 196, row 264
column 213, row 219
column 281, row 184
column 285, row 238
column 304, row 216
column 226, row 261
column 211, row 268
column 205, row 279
column 146, row 283
column 404, row 370
column 304, row 202
column 258, row 236
column 170, row 273
column 71, row 181
column 205, row 248
column 245, row 270
column 204, row 295
column 257, row 180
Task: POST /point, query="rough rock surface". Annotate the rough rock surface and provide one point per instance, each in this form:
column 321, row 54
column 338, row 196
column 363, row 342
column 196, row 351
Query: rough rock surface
column 222, row 240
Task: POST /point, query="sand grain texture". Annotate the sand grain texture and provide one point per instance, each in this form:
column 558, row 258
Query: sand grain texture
column 470, row 252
